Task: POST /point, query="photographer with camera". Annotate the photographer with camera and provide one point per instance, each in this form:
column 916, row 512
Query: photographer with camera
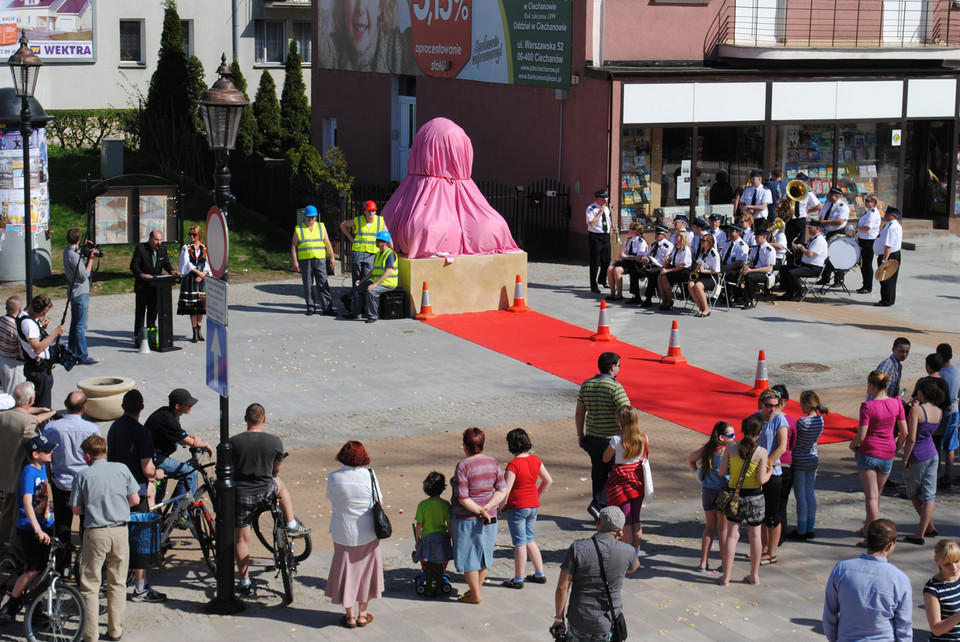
column 35, row 342
column 592, row 574
column 77, row 262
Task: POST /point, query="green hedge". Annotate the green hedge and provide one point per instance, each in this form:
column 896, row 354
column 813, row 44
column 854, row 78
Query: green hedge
column 85, row 128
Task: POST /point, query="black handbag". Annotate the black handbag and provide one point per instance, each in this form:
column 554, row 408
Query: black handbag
column 619, row 628
column 381, row 523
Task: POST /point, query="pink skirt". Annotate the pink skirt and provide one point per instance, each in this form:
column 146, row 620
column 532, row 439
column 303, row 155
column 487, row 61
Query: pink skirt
column 356, row 574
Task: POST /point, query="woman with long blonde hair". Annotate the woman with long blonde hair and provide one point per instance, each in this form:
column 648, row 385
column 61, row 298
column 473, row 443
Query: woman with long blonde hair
column 625, row 489
column 678, row 272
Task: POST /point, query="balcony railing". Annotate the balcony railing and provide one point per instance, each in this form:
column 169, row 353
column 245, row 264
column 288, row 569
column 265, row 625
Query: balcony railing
column 880, row 24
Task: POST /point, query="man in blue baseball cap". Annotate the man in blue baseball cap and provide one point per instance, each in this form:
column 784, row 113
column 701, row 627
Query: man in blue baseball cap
column 313, row 258
column 382, row 279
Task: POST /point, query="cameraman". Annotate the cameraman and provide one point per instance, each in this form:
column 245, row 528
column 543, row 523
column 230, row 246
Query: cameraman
column 35, row 342
column 78, row 292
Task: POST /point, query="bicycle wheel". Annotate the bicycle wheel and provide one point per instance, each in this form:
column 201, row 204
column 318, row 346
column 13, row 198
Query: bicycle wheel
column 285, row 563
column 65, row 620
column 263, row 526
column 206, row 535
column 10, row 569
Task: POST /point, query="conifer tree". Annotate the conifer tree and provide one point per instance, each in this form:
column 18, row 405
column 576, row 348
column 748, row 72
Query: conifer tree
column 294, row 107
column 248, row 135
column 266, row 109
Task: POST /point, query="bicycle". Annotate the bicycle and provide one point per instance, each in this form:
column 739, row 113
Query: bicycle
column 284, row 559
column 190, row 513
column 54, row 610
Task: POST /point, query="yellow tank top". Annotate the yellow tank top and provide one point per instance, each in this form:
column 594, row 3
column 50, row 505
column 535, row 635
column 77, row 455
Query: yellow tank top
column 750, row 481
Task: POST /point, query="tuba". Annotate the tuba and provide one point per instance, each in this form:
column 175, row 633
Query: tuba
column 797, row 190
column 779, row 224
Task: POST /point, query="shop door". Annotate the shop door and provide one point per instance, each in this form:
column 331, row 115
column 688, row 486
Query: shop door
column 926, row 172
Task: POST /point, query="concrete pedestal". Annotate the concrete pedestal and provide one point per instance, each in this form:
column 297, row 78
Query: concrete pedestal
column 465, row 283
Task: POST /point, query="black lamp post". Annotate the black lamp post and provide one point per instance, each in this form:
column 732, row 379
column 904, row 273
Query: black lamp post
column 25, row 65
column 221, row 107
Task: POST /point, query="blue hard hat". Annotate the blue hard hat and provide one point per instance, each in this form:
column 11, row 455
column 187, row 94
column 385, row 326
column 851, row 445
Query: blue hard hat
column 384, row 236
column 310, row 211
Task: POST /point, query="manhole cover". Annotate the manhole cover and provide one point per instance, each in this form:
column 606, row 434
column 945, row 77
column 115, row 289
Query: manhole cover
column 804, row 366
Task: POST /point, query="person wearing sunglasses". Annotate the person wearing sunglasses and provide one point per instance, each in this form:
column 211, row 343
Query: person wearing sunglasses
column 774, row 437
column 704, row 462
column 868, row 228
column 195, row 269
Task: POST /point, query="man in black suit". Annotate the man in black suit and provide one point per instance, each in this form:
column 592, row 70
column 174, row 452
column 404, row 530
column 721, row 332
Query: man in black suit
column 149, row 260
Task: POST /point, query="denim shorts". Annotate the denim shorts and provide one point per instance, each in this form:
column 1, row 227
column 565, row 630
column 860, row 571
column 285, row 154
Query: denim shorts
column 921, row 480
column 522, row 523
column 882, row 466
column 950, row 441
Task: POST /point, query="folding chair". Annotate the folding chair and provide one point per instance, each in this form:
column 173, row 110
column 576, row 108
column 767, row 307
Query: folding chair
column 808, row 285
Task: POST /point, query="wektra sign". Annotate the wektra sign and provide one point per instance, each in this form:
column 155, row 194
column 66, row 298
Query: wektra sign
column 58, row 30
column 502, row 41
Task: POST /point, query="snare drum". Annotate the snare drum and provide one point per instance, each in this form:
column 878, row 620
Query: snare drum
column 844, row 252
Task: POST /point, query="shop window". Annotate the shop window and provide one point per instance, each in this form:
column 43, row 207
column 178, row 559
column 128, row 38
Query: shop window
column 636, row 190
column 868, row 162
column 726, row 157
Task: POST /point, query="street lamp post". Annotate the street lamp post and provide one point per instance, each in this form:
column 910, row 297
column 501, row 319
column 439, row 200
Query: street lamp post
column 221, row 107
column 25, row 65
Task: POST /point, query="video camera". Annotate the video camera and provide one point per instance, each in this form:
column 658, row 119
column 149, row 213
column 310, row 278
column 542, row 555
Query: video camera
column 89, row 248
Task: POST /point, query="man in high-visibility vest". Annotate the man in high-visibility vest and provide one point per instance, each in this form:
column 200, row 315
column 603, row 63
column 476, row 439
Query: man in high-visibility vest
column 362, row 232
column 312, row 256
column 382, row 279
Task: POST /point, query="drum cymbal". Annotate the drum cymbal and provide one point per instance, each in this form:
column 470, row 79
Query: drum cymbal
column 887, row 269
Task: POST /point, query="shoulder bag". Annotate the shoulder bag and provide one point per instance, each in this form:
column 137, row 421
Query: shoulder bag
column 619, row 628
column 647, row 473
column 728, row 500
column 381, row 523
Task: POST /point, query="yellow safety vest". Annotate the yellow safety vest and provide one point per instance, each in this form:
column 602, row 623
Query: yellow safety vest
column 380, row 266
column 365, row 234
column 310, row 243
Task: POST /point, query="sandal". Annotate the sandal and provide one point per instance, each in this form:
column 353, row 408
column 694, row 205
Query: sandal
column 345, row 622
column 703, row 570
column 767, row 561
column 468, row 599
column 747, row 580
column 364, row 619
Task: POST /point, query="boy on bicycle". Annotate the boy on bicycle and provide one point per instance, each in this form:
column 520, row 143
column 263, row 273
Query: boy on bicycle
column 34, row 520
column 257, row 457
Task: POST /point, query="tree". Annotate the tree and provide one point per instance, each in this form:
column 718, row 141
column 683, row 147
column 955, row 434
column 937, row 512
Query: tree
column 248, row 136
column 195, row 85
column 319, row 179
column 294, row 107
column 266, row 110
column 168, row 92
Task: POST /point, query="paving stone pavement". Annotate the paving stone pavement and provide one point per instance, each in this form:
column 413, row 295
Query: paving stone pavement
column 315, row 374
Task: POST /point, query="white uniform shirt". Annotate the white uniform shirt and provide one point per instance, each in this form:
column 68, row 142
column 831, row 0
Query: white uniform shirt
column 660, row 250
column 635, row 246
column 682, row 258
column 872, row 219
column 712, row 260
column 780, row 239
column 749, row 237
column 891, row 235
column 808, row 203
column 592, row 210
column 720, row 237
column 738, row 251
column 817, row 245
column 762, row 256
column 757, row 196
column 833, row 212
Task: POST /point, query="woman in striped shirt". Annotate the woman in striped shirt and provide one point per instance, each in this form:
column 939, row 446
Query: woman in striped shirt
column 805, row 463
column 941, row 594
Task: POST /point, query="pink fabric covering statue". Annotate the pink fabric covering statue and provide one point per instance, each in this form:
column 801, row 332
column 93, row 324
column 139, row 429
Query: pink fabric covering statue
column 438, row 209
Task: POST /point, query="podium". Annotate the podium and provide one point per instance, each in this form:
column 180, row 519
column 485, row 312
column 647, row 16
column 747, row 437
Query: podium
column 161, row 301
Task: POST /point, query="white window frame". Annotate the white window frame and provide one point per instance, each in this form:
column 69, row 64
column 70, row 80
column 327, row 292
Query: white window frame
column 261, row 28
column 187, row 28
column 306, row 52
column 141, row 61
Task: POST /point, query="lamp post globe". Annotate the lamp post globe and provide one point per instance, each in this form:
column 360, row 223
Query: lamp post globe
column 25, row 67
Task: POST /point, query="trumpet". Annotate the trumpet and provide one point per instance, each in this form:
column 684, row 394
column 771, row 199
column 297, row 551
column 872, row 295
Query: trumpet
column 743, row 273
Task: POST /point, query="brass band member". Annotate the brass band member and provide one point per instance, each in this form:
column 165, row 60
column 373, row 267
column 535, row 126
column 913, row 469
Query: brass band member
column 834, row 217
column 755, row 200
column 811, row 263
column 868, row 228
column 628, row 264
column 677, row 272
column 735, row 253
column 719, row 236
column 810, row 204
column 762, row 260
column 655, row 259
column 708, row 274
column 746, row 224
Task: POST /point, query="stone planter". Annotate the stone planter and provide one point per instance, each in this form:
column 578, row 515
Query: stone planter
column 105, row 396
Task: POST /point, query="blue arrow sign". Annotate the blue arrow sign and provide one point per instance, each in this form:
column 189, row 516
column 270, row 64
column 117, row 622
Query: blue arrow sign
column 217, row 357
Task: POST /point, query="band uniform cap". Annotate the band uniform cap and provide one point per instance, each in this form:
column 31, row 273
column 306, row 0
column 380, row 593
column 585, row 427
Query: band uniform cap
column 384, row 236
column 661, row 230
column 756, row 173
column 681, row 217
column 601, row 193
column 835, row 191
column 802, row 177
column 701, row 223
column 41, row 444
column 310, row 211
column 733, row 227
column 181, row 397
column 761, row 231
column 716, row 217
column 814, row 222
column 611, row 519
column 370, row 205
column 892, row 210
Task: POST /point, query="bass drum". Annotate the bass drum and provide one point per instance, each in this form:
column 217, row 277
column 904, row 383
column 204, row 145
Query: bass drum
column 844, row 252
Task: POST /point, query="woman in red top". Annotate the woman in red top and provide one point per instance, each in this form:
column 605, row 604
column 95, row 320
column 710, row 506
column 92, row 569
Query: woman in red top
column 522, row 505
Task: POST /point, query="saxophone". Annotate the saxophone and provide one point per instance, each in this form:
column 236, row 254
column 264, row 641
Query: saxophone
column 743, row 273
column 695, row 272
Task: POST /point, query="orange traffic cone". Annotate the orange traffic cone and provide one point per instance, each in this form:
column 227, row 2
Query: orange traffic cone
column 673, row 352
column 519, row 302
column 426, row 310
column 603, row 326
column 760, row 381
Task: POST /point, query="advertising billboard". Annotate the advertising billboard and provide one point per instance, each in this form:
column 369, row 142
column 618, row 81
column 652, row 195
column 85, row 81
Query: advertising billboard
column 58, row 30
column 502, row 41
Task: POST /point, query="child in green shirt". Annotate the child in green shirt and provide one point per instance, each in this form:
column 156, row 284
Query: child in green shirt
column 433, row 551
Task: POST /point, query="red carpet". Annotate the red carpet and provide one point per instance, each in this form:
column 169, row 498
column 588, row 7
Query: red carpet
column 683, row 394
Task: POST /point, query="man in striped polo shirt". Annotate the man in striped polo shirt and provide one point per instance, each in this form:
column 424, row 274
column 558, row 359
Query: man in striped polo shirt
column 600, row 398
